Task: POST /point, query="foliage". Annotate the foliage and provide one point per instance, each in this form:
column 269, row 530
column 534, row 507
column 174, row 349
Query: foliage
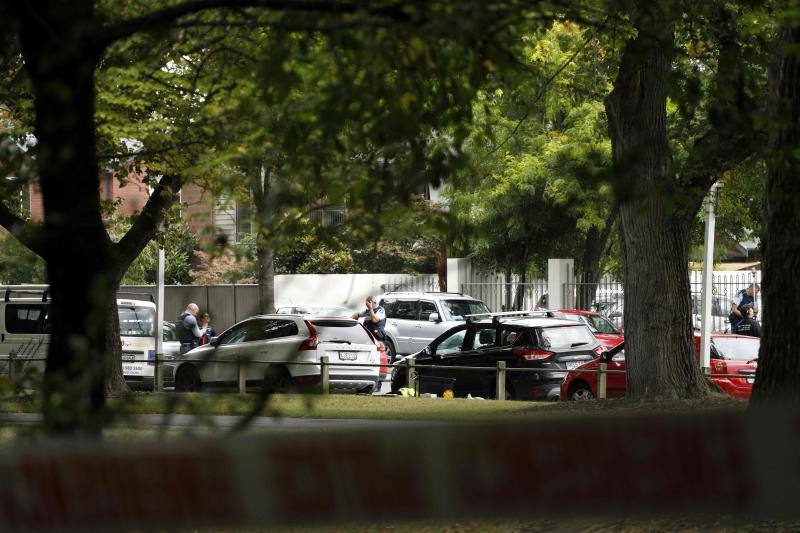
column 18, row 264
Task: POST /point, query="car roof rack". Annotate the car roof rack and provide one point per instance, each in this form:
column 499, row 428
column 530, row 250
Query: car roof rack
column 36, row 290
column 425, row 292
column 497, row 317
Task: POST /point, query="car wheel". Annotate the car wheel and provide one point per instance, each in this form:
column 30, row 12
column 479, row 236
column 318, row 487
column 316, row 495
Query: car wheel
column 277, row 380
column 390, row 351
column 581, row 392
column 188, row 379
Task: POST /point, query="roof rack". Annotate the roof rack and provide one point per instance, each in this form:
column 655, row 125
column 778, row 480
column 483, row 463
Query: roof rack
column 26, row 289
column 425, row 292
column 149, row 296
column 496, row 317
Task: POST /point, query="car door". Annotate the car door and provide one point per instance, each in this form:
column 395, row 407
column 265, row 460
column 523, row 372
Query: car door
column 221, row 366
column 278, row 342
column 616, row 383
column 478, row 346
column 425, row 330
column 404, row 321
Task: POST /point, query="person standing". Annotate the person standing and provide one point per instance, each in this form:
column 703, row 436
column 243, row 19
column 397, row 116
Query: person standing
column 374, row 318
column 209, row 329
column 745, row 297
column 189, row 332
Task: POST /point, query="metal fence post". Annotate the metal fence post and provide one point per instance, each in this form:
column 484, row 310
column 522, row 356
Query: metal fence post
column 11, row 367
column 501, row 380
column 410, row 364
column 242, row 381
column 601, row 380
column 325, row 371
column 158, row 381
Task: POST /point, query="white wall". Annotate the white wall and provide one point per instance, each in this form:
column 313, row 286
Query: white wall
column 349, row 290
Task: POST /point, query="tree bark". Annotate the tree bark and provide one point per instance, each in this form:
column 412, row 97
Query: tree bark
column 441, row 265
column 655, row 218
column 778, row 375
column 266, row 279
column 263, row 194
column 76, row 246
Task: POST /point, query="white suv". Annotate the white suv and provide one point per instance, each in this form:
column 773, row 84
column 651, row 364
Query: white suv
column 414, row 319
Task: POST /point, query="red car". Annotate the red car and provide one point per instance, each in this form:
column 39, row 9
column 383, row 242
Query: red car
column 607, row 333
column 730, row 354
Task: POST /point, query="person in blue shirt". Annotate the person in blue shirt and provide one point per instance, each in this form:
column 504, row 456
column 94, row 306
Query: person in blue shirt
column 745, row 297
column 374, row 318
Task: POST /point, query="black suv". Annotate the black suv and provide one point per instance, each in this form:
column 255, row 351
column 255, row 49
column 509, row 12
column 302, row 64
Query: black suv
column 536, row 339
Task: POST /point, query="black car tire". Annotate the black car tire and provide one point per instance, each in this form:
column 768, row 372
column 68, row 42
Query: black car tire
column 277, row 380
column 188, row 379
column 390, row 351
column 581, row 392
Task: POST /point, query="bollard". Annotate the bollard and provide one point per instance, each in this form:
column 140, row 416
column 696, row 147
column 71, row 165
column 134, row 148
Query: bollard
column 410, row 381
column 501, row 380
column 602, row 376
column 11, row 367
column 325, row 371
column 241, row 371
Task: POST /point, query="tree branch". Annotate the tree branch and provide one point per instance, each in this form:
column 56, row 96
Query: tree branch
column 161, row 18
column 131, row 245
column 29, row 234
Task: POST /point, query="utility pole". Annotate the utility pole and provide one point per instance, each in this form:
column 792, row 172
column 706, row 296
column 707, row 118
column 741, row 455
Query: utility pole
column 708, row 271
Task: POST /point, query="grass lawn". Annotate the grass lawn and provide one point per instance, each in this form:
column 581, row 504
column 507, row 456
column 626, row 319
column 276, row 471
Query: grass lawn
column 309, row 406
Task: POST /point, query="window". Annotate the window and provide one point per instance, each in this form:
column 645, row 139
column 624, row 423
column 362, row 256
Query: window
column 388, row 306
column 460, row 308
column 567, row 337
column 136, row 321
column 275, row 329
column 599, row 324
column 344, row 331
column 451, row 344
column 484, row 337
column 235, row 334
column 169, row 333
column 737, row 348
column 509, row 337
column 27, row 318
column 406, row 310
column 425, row 310
column 244, row 219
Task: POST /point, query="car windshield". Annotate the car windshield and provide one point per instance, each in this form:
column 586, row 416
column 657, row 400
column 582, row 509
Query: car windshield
column 344, row 331
column 135, row 321
column 737, row 348
column 562, row 337
column 599, row 324
column 460, row 308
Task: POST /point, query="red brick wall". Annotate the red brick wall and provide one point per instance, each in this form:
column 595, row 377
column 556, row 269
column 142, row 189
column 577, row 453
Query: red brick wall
column 197, row 210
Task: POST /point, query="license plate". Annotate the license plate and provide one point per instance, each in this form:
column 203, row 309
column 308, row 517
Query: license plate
column 128, row 357
column 132, row 370
column 347, row 356
column 574, row 364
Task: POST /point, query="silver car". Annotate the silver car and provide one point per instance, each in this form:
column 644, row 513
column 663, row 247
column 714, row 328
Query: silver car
column 314, row 309
column 414, row 319
column 279, row 352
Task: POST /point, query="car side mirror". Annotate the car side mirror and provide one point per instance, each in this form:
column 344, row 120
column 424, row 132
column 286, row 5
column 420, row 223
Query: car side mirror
column 434, row 317
column 214, row 341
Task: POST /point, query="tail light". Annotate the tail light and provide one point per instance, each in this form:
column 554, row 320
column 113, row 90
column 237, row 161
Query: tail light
column 533, row 355
column 719, row 367
column 384, row 358
column 313, row 340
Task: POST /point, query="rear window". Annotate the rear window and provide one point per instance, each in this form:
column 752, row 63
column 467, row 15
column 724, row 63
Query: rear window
column 737, row 348
column 566, row 337
column 599, row 324
column 27, row 318
column 342, row 331
column 460, row 308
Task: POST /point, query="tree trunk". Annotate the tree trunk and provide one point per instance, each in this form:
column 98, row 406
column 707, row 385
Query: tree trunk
column 778, row 375
column 441, row 265
column 77, row 247
column 115, row 384
column 590, row 262
column 266, row 279
column 655, row 218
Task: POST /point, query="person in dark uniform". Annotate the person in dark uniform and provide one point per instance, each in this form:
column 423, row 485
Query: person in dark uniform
column 189, row 333
column 374, row 318
column 748, row 325
column 742, row 298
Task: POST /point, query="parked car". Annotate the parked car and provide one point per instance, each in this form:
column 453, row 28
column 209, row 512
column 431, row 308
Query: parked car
column 534, row 339
column 607, row 333
column 271, row 345
column 314, row 309
column 730, row 354
column 414, row 319
column 720, row 310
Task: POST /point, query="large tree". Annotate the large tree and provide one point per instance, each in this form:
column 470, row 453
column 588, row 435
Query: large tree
column 778, row 377
column 663, row 170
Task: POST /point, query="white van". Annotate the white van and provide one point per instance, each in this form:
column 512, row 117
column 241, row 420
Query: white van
column 25, row 334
